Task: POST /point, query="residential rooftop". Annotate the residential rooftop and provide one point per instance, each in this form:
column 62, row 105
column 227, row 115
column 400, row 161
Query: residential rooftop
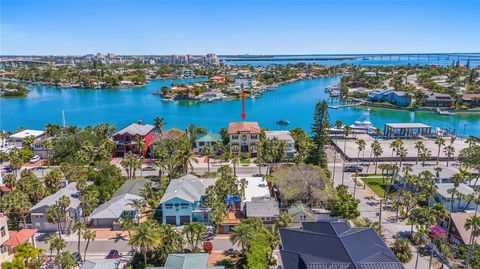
column 237, row 127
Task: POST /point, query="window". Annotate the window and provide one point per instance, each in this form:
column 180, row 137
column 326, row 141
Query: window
column 201, row 144
column 303, row 218
column 168, row 206
column 234, row 136
column 184, row 206
column 253, row 137
column 3, row 231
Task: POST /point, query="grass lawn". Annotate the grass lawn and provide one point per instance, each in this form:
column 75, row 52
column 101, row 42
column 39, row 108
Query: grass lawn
column 245, row 162
column 376, row 184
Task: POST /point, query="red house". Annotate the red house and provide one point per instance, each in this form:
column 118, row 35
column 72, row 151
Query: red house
column 125, row 138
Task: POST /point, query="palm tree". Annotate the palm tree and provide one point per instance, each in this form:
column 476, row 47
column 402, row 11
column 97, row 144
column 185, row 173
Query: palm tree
column 241, row 235
column 207, row 151
column 127, row 224
column 242, row 184
column 419, row 145
column 145, row 237
column 402, row 154
column 347, row 130
column 89, row 236
column 65, row 260
column 48, row 146
column 79, row 227
column 401, row 249
column 439, row 212
column 439, row 141
column 473, row 224
column 193, row 233
column 159, row 123
column 377, row 152
column 28, row 141
column 425, row 154
column 235, row 162
column 138, row 205
column 368, row 223
column 140, row 145
column 360, row 146
column 283, row 220
column 10, row 181
column 471, row 141
column 449, row 151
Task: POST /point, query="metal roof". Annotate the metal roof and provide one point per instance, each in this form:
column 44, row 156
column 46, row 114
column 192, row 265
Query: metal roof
column 70, row 191
column 323, row 244
column 101, row 264
column 210, row 137
column 114, row 208
column 136, row 129
column 187, row 261
column 462, row 188
column 189, row 188
column 262, row 207
column 407, row 125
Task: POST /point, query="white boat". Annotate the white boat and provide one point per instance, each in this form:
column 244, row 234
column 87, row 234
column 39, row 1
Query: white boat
column 439, row 111
column 363, row 126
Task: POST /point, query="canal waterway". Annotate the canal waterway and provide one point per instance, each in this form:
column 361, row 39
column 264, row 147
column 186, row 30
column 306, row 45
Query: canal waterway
column 294, row 102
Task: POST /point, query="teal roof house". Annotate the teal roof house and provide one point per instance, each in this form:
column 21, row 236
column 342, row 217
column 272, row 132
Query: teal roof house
column 183, row 201
column 206, row 140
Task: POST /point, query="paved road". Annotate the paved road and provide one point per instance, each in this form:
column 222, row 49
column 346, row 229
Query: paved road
column 391, row 228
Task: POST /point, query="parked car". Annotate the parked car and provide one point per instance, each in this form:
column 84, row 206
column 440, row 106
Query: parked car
column 149, row 168
column 77, row 256
column 353, row 168
column 113, row 254
column 35, row 159
column 7, row 169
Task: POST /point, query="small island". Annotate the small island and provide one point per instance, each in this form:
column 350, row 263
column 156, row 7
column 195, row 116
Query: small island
column 13, row 90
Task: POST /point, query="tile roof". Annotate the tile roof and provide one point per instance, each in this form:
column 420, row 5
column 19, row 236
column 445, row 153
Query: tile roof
column 320, row 245
column 187, row 261
column 236, row 127
column 19, row 237
column 114, row 208
column 136, row 129
column 189, row 188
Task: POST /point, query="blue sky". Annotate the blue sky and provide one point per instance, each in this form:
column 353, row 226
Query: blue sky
column 238, row 27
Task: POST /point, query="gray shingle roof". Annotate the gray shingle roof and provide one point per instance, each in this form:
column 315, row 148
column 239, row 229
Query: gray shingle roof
column 132, row 186
column 136, row 129
column 323, row 244
column 101, row 264
column 114, row 208
column 70, row 191
column 262, row 207
column 189, row 188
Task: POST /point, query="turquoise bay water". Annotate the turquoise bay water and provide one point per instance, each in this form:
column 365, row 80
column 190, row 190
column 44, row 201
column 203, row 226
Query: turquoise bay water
column 294, row 102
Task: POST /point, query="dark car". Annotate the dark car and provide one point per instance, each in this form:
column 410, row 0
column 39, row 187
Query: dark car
column 77, row 256
column 8, row 169
column 353, row 168
column 113, row 254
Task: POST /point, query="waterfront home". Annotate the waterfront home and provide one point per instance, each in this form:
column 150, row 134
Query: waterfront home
column 458, row 234
column 244, row 138
column 38, row 213
column 287, row 138
column 187, row 261
column 183, row 200
column 173, row 133
column 204, row 140
column 245, row 82
column 438, row 100
column 460, row 203
column 217, row 79
column 347, row 247
column 264, row 208
column 398, row 98
column 471, row 99
column 108, row 214
column 10, row 239
column 16, row 140
column 299, row 213
column 125, row 138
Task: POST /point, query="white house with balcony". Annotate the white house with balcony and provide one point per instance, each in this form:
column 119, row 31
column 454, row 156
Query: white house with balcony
column 287, row 138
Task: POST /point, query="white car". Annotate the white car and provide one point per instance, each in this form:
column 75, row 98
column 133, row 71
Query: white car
column 35, row 159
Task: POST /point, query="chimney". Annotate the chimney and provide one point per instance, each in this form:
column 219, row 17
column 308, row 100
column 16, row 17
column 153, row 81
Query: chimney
column 139, row 122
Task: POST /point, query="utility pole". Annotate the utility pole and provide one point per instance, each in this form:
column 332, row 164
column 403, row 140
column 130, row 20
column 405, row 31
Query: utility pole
column 380, row 217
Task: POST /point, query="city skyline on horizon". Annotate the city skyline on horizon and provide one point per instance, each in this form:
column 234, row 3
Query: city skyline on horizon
column 238, row 28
